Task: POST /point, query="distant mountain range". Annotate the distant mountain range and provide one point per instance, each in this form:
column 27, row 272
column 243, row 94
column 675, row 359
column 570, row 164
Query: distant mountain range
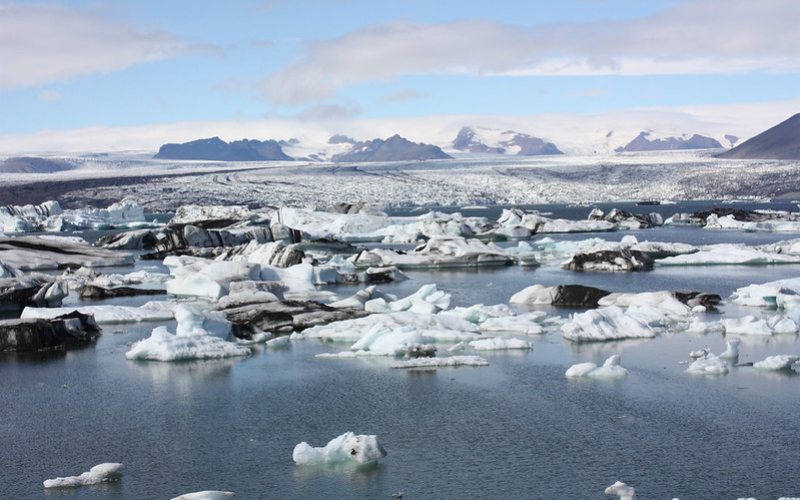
column 395, row 148
column 781, row 142
column 217, row 149
column 492, row 141
column 643, row 142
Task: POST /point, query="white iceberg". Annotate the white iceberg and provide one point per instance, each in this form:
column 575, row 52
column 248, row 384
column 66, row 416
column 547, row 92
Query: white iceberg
column 607, row 323
column 151, row 311
column 751, row 325
column 500, row 344
column 767, row 294
column 437, row 253
column 622, row 490
column 448, row 362
column 777, row 363
column 102, row 473
column 162, row 345
column 357, row 449
column 205, row 495
column 206, row 278
column 710, row 365
column 610, row 370
column 428, row 300
column 728, row 254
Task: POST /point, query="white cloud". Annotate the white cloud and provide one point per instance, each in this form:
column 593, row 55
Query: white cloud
column 693, row 37
column 48, row 43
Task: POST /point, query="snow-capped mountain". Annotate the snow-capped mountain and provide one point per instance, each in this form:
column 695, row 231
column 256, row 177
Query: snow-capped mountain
column 647, row 141
column 487, row 140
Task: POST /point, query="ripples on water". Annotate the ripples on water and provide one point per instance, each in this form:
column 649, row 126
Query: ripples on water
column 516, row 429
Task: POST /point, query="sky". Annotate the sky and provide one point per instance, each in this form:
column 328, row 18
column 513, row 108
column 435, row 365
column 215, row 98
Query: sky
column 94, row 74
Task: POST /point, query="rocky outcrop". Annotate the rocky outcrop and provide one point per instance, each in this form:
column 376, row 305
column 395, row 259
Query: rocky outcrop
column 395, row 148
column 63, row 332
column 219, row 150
column 781, row 142
column 643, row 143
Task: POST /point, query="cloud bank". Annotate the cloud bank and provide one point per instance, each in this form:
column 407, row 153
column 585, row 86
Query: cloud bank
column 48, row 43
column 693, row 37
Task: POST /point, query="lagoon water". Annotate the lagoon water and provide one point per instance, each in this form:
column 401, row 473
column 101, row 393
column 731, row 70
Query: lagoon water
column 517, row 429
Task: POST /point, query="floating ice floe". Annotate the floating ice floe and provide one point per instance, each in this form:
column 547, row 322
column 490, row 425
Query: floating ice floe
column 610, row 370
column 711, row 364
column 198, row 335
column 500, row 344
column 730, row 222
column 777, row 363
column 751, row 325
column 607, row 323
column 205, row 495
column 49, row 216
column 781, row 293
column 438, row 253
column 27, row 291
column 101, row 473
column 609, row 259
column 192, row 276
column 627, row 220
column 447, row 362
column 622, row 490
column 32, row 253
column 349, row 447
column 428, row 300
column 516, row 223
column 103, row 314
column 67, row 331
column 728, row 254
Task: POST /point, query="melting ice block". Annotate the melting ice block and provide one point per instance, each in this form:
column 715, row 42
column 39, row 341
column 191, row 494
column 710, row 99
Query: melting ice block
column 500, row 344
column 610, row 370
column 205, row 495
column 710, row 365
column 349, row 447
column 448, row 362
column 101, row 473
column 622, row 490
column 607, row 323
column 777, row 363
column 162, row 345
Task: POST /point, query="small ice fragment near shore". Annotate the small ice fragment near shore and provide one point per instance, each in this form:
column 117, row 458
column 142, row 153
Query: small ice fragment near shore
column 205, row 495
column 101, row 473
column 348, row 447
column 622, row 490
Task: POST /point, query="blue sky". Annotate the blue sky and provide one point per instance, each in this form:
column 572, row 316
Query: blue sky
column 75, row 64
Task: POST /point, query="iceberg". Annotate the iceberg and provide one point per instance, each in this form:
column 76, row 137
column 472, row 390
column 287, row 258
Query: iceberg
column 162, row 345
column 607, row 323
column 500, row 344
column 622, row 490
column 438, row 253
column 36, row 253
column 101, row 473
column 710, row 365
column 610, row 370
column 205, row 495
column 750, row 325
column 614, row 260
column 728, row 254
column 448, row 362
column 559, row 296
column 516, row 223
column 66, row 331
column 428, row 300
column 206, row 278
column 777, row 363
column 349, row 447
column 766, row 294
column 103, row 314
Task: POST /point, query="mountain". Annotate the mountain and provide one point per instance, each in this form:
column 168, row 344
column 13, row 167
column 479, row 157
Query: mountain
column 395, row 148
column 781, row 142
column 484, row 140
column 642, row 142
column 217, row 149
column 34, row 165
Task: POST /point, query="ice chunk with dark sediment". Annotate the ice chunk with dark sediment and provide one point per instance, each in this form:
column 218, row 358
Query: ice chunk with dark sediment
column 67, row 331
column 349, row 447
column 34, row 253
column 438, row 253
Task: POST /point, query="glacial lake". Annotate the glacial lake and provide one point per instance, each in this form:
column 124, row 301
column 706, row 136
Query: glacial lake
column 517, row 429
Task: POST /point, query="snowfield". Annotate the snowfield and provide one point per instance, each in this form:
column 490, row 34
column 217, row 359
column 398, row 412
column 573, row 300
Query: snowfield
column 486, row 180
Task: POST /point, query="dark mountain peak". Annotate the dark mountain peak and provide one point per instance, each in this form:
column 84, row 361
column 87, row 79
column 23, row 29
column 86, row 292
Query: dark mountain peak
column 642, row 142
column 341, row 139
column 781, row 142
column 215, row 148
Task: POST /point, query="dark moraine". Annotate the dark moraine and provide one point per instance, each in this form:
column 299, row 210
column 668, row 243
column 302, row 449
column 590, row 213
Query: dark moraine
column 63, row 332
